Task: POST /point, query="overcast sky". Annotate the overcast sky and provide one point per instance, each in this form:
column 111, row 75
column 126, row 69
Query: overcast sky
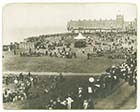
column 23, row 20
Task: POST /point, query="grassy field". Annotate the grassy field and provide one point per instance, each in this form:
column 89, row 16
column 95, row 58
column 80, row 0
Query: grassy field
column 52, row 64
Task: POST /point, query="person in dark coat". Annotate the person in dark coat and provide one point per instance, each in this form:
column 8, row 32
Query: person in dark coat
column 88, row 55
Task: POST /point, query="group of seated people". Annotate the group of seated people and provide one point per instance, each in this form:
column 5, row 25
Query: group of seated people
column 60, row 52
column 115, row 43
column 84, row 97
column 21, row 85
column 121, row 53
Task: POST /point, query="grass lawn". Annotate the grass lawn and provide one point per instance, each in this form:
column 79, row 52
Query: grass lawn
column 53, row 64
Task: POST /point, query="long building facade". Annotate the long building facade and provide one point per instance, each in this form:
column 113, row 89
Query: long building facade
column 85, row 26
column 117, row 23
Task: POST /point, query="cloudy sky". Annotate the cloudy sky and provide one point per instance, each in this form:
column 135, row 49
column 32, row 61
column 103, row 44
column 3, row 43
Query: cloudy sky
column 24, row 20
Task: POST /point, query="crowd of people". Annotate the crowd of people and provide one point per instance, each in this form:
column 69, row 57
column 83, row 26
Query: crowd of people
column 21, row 84
column 18, row 87
column 61, row 52
column 57, row 48
column 115, row 44
column 84, row 97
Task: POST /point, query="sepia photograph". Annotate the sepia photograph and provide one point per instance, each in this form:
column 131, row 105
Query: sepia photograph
column 69, row 56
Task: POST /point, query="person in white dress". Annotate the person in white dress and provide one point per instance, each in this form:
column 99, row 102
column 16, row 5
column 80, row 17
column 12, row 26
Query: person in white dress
column 69, row 102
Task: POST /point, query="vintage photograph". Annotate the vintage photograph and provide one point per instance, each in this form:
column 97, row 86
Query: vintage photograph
column 69, row 56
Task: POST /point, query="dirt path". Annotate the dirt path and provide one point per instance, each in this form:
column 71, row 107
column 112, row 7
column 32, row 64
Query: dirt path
column 51, row 73
column 118, row 100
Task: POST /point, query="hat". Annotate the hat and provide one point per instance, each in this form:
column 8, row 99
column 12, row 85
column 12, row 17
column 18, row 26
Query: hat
column 91, row 79
column 113, row 66
column 80, row 88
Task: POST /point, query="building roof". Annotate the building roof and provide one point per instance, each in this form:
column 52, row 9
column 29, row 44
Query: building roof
column 79, row 37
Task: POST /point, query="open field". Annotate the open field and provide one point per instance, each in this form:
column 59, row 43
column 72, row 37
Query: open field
column 52, row 64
